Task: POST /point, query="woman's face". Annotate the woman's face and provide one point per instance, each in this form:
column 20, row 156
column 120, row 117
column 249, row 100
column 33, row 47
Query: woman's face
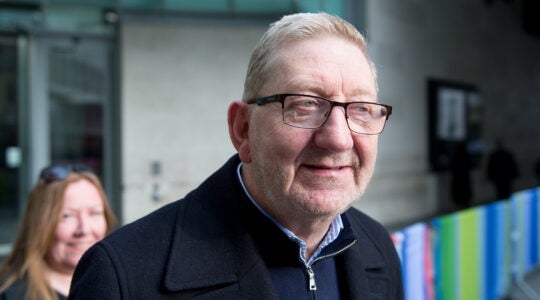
column 82, row 223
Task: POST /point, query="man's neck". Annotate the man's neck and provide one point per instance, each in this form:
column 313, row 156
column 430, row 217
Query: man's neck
column 311, row 230
column 312, row 233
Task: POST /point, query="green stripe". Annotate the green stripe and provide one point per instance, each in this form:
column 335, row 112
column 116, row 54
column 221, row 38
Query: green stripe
column 469, row 243
column 448, row 260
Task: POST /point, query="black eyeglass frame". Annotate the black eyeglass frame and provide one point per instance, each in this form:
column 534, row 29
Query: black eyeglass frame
column 57, row 172
column 281, row 99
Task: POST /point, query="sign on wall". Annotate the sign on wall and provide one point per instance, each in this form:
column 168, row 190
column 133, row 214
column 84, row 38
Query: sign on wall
column 454, row 117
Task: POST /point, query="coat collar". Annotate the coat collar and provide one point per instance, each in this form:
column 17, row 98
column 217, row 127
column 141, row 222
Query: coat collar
column 211, row 237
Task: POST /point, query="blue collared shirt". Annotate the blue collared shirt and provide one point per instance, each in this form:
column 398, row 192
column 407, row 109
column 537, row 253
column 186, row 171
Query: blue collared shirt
column 333, row 231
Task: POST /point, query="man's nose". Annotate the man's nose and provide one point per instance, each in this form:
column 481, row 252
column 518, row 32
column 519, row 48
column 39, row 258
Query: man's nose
column 335, row 134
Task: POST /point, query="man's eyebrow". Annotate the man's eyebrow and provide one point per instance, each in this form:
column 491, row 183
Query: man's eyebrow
column 363, row 93
column 302, row 86
column 306, row 86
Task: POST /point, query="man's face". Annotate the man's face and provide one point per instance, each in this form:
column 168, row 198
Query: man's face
column 311, row 173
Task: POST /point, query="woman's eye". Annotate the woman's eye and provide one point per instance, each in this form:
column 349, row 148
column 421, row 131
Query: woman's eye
column 97, row 213
column 67, row 216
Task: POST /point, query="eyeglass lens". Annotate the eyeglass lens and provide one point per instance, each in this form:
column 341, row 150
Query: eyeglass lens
column 312, row 112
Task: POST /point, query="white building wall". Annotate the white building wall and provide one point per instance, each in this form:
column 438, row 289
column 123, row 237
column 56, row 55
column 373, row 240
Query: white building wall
column 177, row 82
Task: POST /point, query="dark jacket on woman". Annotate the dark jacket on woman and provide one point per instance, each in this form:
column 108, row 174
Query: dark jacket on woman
column 17, row 291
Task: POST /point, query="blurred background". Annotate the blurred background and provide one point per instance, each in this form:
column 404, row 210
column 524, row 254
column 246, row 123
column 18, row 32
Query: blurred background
column 139, row 89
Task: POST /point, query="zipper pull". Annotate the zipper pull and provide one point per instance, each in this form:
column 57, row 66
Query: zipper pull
column 312, row 285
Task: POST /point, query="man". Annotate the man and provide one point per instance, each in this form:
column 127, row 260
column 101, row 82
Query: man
column 275, row 221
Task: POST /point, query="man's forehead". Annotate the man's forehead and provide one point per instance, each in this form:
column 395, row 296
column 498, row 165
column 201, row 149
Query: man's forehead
column 291, row 77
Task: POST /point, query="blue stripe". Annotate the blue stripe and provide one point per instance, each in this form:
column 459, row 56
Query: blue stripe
column 436, row 223
column 533, row 211
column 492, row 251
column 404, row 263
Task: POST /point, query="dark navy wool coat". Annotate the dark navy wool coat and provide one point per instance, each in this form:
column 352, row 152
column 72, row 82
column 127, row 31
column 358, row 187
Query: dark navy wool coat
column 203, row 247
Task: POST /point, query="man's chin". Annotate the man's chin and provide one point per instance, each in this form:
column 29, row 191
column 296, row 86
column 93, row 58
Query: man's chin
column 327, row 207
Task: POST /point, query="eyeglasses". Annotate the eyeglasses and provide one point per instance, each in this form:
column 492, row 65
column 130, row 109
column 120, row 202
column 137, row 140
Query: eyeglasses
column 311, row 112
column 61, row 171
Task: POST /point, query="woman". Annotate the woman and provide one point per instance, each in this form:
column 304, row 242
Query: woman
column 67, row 212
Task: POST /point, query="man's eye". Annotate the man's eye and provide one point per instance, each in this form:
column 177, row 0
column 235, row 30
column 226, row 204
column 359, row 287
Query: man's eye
column 361, row 109
column 303, row 103
column 308, row 103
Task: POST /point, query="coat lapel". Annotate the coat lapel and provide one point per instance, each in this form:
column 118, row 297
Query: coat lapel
column 211, row 237
column 363, row 268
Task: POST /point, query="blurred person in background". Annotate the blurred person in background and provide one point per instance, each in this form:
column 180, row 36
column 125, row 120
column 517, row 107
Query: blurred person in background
column 502, row 170
column 67, row 212
column 537, row 170
column 462, row 192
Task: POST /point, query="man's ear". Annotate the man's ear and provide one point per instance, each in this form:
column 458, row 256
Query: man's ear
column 238, row 120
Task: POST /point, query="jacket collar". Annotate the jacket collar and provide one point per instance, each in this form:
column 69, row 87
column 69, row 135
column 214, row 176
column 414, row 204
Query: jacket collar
column 211, row 237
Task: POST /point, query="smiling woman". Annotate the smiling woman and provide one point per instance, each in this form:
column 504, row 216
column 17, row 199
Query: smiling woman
column 67, row 213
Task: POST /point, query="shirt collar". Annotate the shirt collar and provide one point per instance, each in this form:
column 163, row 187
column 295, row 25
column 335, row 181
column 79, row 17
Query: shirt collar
column 333, row 231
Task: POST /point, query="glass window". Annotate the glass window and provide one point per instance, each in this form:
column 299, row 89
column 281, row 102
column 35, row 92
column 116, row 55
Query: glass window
column 151, row 4
column 204, row 6
column 329, row 6
column 266, row 6
column 78, row 96
column 77, row 18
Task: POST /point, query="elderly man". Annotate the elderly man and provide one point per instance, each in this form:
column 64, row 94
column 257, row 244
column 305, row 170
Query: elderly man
column 275, row 222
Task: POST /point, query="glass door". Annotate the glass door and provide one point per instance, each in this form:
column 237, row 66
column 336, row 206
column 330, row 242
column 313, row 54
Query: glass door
column 71, row 104
column 78, row 96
